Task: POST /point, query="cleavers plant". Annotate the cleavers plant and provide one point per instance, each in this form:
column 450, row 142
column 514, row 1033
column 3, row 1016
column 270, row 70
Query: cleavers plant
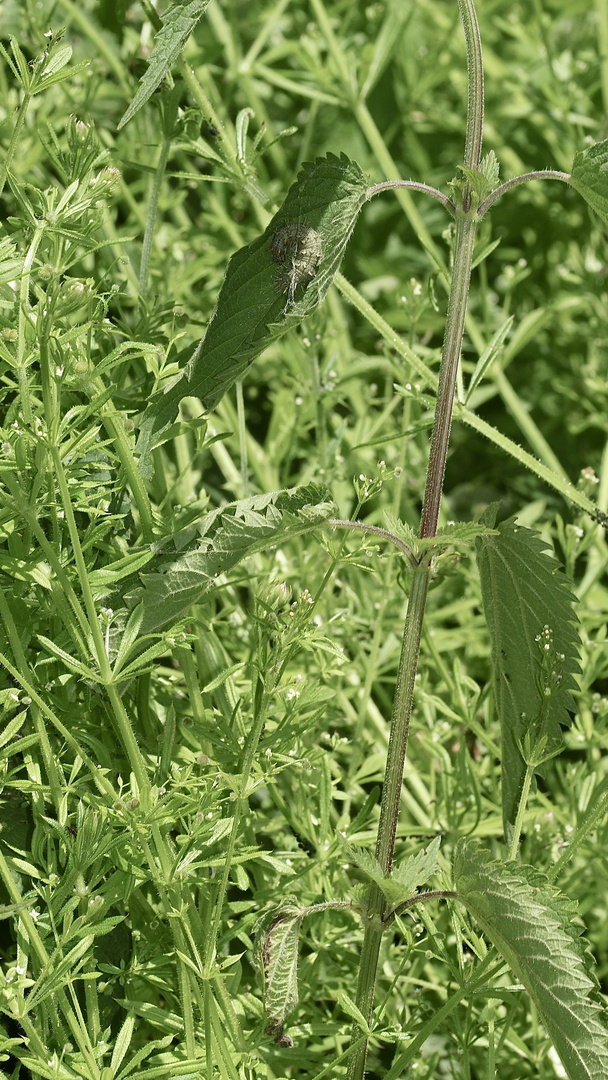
column 141, row 760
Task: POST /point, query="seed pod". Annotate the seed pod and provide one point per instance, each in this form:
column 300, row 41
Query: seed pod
column 297, row 249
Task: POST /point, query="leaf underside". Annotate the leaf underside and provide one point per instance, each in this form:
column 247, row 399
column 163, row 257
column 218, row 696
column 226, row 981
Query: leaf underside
column 188, row 568
column 531, row 925
column 251, row 310
column 524, row 591
column 278, row 952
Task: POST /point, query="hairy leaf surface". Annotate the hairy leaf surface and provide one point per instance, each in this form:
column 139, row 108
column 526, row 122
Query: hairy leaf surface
column 590, row 177
column 402, row 882
column 252, row 310
column 179, row 21
column 190, row 565
column 528, row 609
column 279, row 957
column 531, row 925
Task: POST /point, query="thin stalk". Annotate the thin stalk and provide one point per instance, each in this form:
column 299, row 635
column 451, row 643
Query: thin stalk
column 24, row 308
column 121, row 719
column 461, row 412
column 488, row 967
column 240, row 807
column 240, row 408
column 97, row 775
column 50, row 764
column 413, row 185
column 457, row 305
column 521, row 809
column 114, row 425
column 78, row 1031
column 601, row 7
column 515, row 181
column 594, row 817
column 375, row 530
column 404, row 692
column 10, row 153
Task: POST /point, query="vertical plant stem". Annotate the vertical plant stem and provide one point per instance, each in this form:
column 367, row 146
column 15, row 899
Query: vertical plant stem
column 10, row 153
column 404, row 692
column 146, row 251
column 240, row 409
column 463, row 253
column 521, row 809
column 24, row 317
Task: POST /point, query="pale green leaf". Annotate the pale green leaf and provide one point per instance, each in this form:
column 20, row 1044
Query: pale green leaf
column 453, row 534
column 11, row 264
column 528, row 610
column 488, row 356
column 279, row 957
column 223, row 538
column 123, row 1041
column 531, row 925
column 179, row 20
column 401, row 884
column 144, row 1052
column 349, row 1007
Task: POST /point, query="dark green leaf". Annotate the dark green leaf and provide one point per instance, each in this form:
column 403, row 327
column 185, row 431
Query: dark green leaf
column 590, row 177
column 179, row 21
column 531, row 925
column 528, row 609
column 255, row 304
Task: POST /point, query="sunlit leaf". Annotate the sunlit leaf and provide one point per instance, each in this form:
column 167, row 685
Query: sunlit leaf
column 531, row 924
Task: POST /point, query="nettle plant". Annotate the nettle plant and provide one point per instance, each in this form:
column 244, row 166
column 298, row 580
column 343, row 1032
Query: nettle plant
column 270, row 286
column 108, row 628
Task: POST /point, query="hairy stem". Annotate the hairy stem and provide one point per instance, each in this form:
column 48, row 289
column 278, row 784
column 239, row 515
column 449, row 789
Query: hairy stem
column 515, row 181
column 404, row 692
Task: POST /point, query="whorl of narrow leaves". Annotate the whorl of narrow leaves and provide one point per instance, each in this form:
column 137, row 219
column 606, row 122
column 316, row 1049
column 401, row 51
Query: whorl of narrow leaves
column 252, row 308
column 528, row 610
column 531, row 925
column 189, row 563
column 590, row 177
column 179, row 20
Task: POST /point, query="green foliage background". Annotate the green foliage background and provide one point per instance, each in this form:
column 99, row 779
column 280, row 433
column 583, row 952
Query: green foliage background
column 327, row 404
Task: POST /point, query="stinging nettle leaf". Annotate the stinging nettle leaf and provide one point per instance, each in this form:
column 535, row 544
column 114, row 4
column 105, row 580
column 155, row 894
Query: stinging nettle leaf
column 188, row 567
column 179, row 21
column 401, row 884
column 590, row 177
column 531, row 925
column 278, row 953
column 528, row 610
column 267, row 288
